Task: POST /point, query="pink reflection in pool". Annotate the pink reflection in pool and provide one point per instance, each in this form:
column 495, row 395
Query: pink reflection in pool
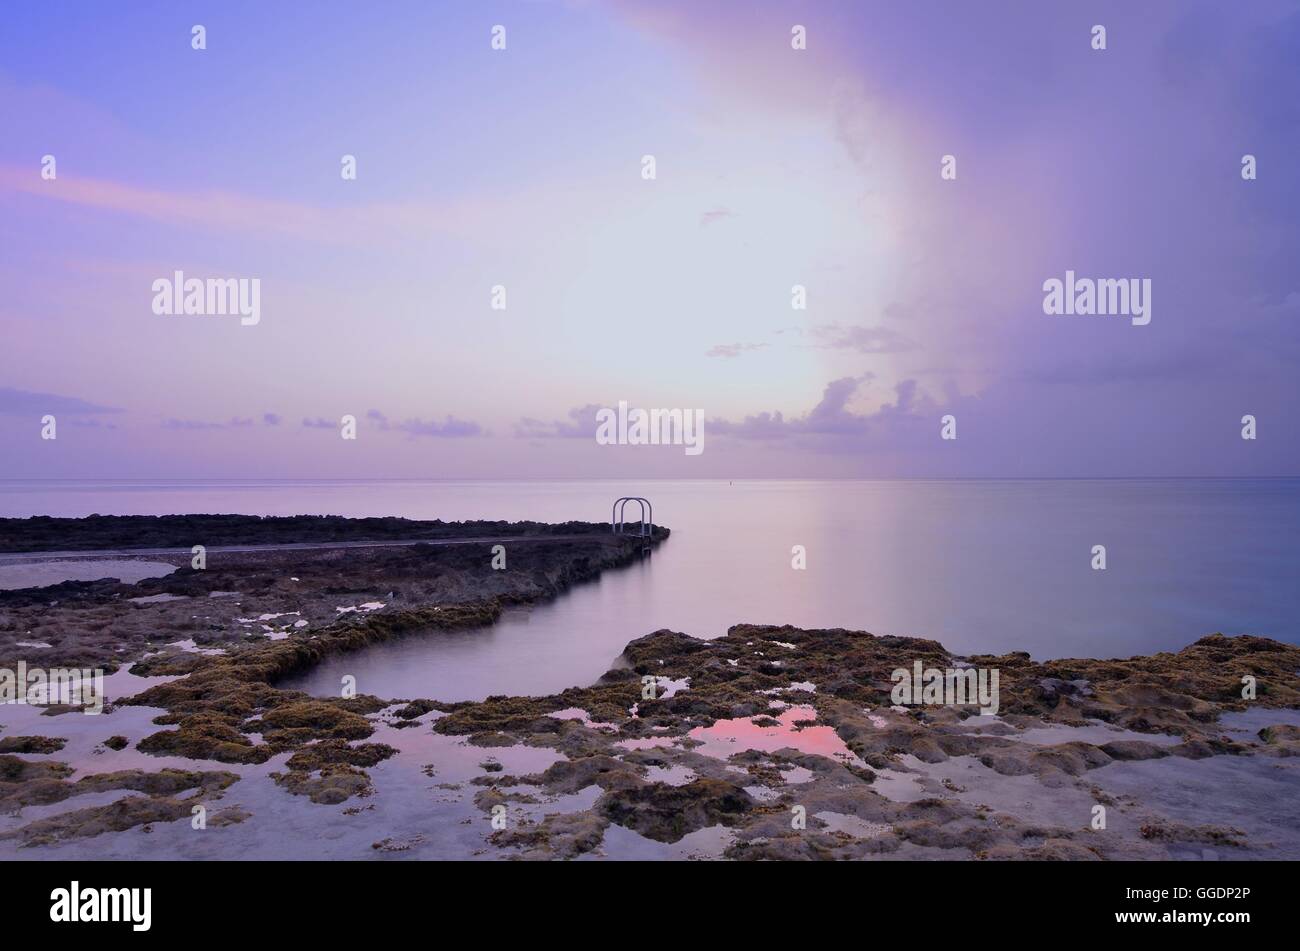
column 727, row 737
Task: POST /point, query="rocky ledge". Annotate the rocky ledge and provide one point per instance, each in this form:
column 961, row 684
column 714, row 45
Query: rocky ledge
column 790, row 739
column 218, row 639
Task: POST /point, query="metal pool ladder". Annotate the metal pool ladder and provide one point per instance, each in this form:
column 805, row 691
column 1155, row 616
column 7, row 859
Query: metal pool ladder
column 616, row 522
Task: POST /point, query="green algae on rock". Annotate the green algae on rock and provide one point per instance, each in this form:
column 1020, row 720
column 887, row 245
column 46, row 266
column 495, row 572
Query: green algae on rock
column 222, row 704
column 843, row 678
column 31, row 744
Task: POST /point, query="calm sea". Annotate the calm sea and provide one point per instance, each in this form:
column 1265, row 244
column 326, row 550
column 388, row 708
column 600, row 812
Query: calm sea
column 982, row 566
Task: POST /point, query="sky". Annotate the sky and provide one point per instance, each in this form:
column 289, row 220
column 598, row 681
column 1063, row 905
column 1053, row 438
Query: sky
column 523, row 168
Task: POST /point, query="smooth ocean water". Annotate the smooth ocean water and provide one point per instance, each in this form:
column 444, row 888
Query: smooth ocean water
column 982, row 566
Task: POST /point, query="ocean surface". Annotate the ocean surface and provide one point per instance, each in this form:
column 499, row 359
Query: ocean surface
column 981, row 566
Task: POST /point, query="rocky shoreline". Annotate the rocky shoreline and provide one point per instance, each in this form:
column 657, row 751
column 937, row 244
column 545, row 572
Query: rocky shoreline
column 743, row 686
column 767, row 742
column 45, row 533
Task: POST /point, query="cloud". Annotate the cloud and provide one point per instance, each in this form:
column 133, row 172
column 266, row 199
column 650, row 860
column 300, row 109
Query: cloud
column 198, row 424
column 231, row 211
column 450, row 427
column 831, row 337
column 272, row 419
column 831, row 416
column 715, row 214
column 24, row 402
column 581, row 424
column 1288, row 305
column 862, row 339
column 733, row 349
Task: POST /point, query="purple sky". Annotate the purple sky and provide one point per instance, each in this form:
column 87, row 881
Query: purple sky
column 775, row 167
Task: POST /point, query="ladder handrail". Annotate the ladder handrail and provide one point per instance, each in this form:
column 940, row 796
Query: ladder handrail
column 616, row 516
